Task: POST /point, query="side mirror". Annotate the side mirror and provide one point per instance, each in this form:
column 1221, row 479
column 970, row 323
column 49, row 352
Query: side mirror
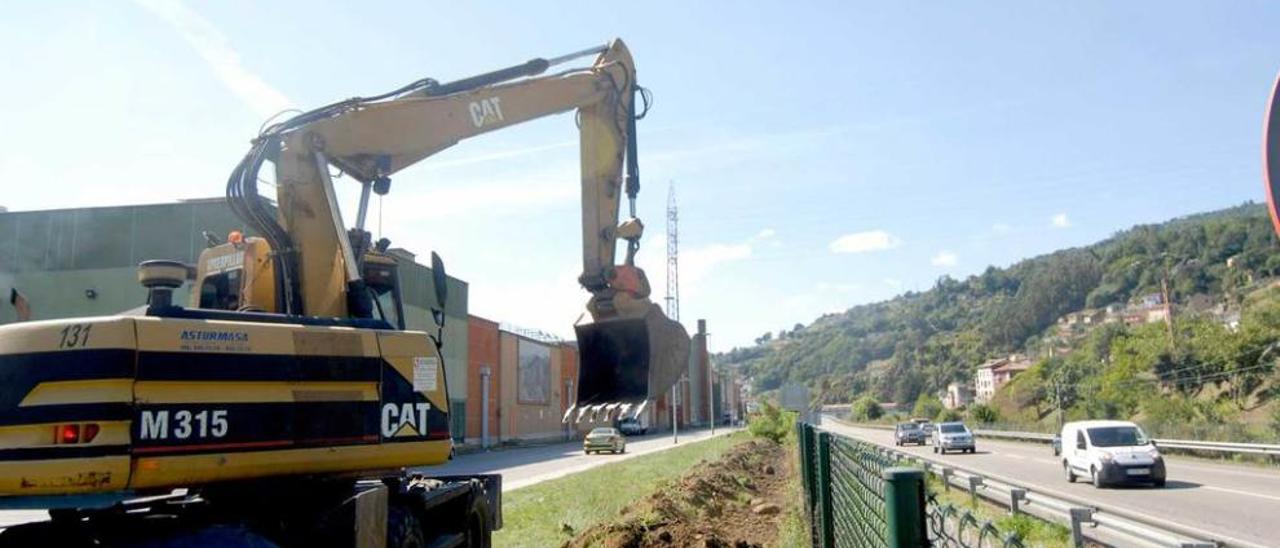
column 439, row 279
column 1152, row 442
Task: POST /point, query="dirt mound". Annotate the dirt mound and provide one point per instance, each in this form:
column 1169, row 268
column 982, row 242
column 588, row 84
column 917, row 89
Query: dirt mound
column 733, row 502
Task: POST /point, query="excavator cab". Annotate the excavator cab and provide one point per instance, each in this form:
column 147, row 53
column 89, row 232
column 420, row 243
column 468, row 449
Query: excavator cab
column 382, row 279
column 236, row 275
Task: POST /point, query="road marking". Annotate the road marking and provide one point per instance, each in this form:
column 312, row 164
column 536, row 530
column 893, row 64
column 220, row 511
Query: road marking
column 1238, row 492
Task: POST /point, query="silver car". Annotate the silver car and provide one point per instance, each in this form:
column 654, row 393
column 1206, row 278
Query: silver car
column 952, row 436
column 908, row 432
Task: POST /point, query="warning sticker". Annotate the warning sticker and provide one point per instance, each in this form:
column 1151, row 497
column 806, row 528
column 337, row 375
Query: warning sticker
column 424, row 374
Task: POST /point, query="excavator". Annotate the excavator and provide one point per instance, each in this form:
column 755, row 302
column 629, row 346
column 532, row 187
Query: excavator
column 284, row 403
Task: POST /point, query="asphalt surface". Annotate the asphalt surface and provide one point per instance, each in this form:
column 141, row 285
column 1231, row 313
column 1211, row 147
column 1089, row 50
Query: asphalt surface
column 1231, row 501
column 519, row 467
column 524, row 467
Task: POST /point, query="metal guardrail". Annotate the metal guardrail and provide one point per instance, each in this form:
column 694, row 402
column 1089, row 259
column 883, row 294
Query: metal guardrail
column 1086, row 518
column 1186, row 445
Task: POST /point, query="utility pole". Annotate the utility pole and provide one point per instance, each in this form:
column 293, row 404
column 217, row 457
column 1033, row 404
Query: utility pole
column 1168, row 312
column 675, row 421
column 711, row 393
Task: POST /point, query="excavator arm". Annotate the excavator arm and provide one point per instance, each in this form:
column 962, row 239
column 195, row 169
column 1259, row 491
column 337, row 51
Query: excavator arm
column 630, row 352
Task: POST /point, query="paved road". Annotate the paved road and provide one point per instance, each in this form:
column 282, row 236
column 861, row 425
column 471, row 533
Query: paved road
column 1238, row 502
column 524, row 467
column 519, row 467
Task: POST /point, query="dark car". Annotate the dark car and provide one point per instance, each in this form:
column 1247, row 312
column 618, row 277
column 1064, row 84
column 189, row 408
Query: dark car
column 909, row 432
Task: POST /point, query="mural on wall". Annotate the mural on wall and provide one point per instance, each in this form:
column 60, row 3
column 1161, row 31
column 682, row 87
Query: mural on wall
column 534, row 361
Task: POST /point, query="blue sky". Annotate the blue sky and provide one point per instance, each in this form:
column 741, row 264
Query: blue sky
column 824, row 154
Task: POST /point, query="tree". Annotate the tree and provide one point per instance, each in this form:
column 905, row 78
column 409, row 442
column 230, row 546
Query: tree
column 983, row 414
column 926, row 406
column 866, row 408
column 947, row 415
column 771, row 423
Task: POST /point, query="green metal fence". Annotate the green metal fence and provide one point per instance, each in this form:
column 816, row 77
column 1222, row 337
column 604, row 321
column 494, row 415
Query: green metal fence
column 859, row 495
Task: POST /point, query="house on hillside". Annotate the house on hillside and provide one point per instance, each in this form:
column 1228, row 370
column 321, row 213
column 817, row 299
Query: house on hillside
column 1006, row 372
column 1151, row 300
column 984, row 380
column 1084, row 318
column 957, row 395
column 994, row 373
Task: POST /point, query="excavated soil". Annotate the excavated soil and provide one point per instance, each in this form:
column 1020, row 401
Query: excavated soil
column 736, row 501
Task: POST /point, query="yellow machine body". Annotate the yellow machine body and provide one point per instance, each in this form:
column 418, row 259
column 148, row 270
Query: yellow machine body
column 177, row 402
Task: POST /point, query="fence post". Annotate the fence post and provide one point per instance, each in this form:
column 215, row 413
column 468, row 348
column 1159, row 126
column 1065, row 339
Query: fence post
column 904, row 506
column 946, row 478
column 1078, row 516
column 827, row 534
column 974, row 483
column 808, row 474
column 1016, row 496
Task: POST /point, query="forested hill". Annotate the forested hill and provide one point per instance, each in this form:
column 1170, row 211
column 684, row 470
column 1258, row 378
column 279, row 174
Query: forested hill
column 920, row 341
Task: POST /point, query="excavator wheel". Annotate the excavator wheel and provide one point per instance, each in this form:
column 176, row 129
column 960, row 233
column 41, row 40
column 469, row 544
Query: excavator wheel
column 404, row 530
column 478, row 533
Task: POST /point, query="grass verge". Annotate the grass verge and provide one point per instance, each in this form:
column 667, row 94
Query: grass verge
column 549, row 513
column 795, row 528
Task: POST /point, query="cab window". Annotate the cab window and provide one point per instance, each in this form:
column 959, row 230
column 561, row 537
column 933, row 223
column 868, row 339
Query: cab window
column 384, row 287
column 1080, row 439
column 221, row 291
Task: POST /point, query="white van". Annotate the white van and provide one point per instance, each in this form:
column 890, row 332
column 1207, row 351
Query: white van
column 1109, row 452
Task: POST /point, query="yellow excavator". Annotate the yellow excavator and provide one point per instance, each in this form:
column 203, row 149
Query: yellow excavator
column 287, row 398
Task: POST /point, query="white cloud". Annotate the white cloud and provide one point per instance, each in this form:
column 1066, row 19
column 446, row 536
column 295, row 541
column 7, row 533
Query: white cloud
column 1001, row 228
column 766, row 234
column 862, row 242
column 944, row 258
column 697, row 263
column 552, row 305
column 838, row 287
column 216, row 50
column 1060, row 221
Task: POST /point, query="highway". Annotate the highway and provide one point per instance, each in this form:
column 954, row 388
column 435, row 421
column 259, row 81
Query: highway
column 520, row 467
column 1229, row 501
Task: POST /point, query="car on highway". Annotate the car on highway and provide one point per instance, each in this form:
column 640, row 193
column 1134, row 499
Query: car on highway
column 953, row 436
column 926, row 426
column 603, row 439
column 1110, row 452
column 908, row 432
column 632, row 427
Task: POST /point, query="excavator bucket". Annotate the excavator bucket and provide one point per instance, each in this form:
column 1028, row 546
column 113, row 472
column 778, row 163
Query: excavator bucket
column 625, row 363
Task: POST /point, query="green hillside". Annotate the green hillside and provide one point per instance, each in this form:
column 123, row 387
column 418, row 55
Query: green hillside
column 918, row 342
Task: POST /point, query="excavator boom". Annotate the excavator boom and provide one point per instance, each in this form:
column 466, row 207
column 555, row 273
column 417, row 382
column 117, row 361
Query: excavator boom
column 630, row 351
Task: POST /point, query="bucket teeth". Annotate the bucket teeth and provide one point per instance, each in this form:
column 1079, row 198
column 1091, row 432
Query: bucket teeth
column 568, row 414
column 640, row 409
column 604, row 412
column 609, row 409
